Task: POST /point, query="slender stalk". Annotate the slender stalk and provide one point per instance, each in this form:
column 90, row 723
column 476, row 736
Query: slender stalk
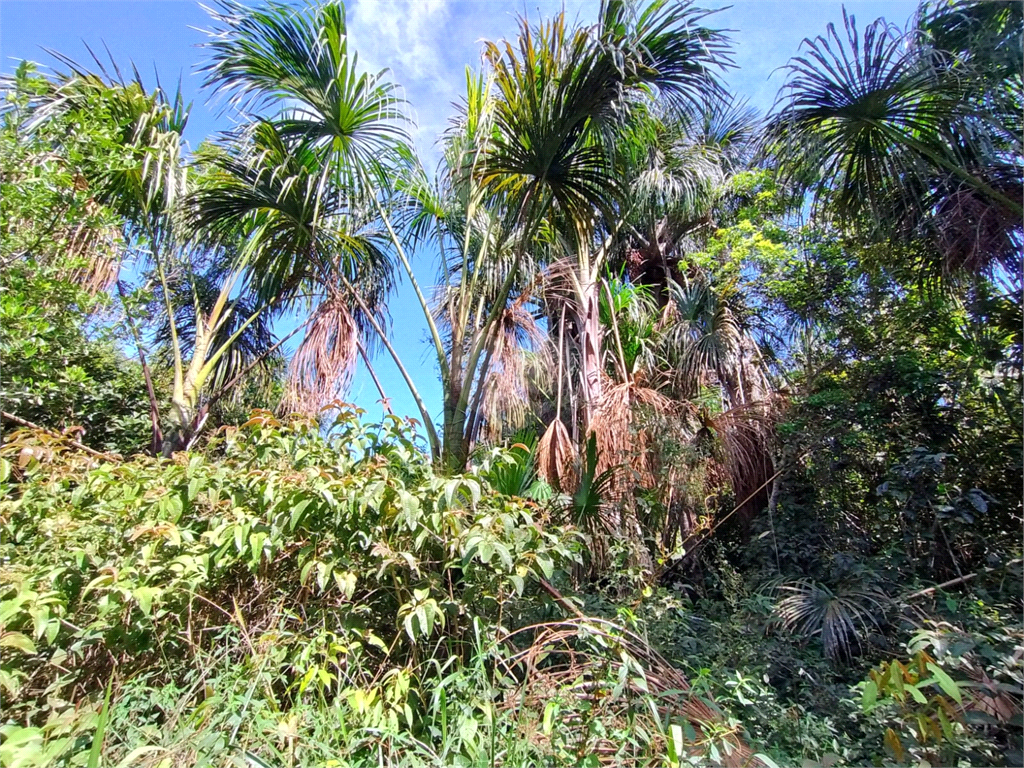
column 73, row 443
column 954, row 582
column 561, row 346
column 238, row 376
column 428, row 425
column 473, row 415
column 154, row 406
column 442, row 358
column 161, row 273
column 373, row 375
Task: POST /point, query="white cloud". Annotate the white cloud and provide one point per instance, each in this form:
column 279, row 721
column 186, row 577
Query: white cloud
column 409, row 37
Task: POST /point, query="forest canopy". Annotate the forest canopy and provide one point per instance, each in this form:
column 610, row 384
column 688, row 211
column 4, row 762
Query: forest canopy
column 727, row 466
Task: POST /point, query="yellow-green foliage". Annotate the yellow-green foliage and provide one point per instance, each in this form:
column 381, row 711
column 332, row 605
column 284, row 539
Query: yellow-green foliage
column 325, row 567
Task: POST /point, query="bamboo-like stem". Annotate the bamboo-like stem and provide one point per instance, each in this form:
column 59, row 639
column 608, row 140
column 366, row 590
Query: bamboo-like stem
column 154, row 406
column 442, row 359
column 373, row 375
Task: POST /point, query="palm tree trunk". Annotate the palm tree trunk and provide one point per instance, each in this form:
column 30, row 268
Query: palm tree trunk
column 589, row 324
column 185, row 415
column 453, row 454
column 384, row 401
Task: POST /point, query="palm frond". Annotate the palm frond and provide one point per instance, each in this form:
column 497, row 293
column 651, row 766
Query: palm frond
column 840, row 617
column 556, row 453
column 906, row 139
column 666, row 46
column 322, row 367
column 298, row 60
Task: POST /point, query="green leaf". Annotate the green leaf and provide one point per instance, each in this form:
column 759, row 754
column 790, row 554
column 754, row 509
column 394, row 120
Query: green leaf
column 550, row 713
column 547, row 567
column 518, row 583
column 256, row 542
column 304, row 573
column 297, row 511
column 18, row 641
column 467, row 729
column 144, row 597
column 947, row 726
column 96, row 751
column 915, row 693
column 946, row 683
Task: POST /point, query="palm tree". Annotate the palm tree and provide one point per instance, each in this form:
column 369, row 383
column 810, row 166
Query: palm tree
column 240, row 232
column 146, row 188
column 558, row 126
column 533, row 149
column 885, row 127
column 680, row 167
column 307, row 188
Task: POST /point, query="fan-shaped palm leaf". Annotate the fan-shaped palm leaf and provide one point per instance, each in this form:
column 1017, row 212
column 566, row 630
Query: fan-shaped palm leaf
column 665, row 46
column 705, row 336
column 876, row 124
column 840, row 617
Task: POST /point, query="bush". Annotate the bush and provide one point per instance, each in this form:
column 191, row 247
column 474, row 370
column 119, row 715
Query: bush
column 281, row 586
column 57, row 375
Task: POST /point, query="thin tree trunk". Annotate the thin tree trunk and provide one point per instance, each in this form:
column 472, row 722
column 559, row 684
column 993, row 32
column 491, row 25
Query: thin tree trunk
column 589, row 320
column 561, row 345
column 70, row 441
column 428, row 425
column 154, row 407
column 373, row 375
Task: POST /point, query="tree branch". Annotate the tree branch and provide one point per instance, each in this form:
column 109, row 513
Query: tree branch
column 73, row 443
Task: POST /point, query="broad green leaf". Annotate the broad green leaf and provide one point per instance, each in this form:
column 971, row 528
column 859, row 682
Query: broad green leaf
column 546, row 565
column 19, row 641
column 870, row 696
column 915, row 693
column 946, row 683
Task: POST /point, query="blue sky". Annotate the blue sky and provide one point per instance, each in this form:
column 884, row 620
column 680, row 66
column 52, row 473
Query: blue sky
column 427, row 44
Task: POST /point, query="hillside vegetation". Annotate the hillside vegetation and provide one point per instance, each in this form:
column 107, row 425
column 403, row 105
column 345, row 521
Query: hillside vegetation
column 727, row 467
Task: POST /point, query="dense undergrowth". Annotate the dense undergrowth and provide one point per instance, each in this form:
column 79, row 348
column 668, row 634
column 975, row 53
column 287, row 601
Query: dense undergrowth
column 726, row 469
column 292, row 597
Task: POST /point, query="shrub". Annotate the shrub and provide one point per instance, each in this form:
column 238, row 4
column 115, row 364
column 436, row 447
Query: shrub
column 222, row 594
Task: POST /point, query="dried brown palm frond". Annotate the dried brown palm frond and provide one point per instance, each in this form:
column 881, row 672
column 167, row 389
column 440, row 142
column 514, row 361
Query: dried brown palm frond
column 99, row 258
column 94, row 250
column 973, row 235
column 556, row 454
column 325, row 361
column 99, row 272
column 626, row 457
column 556, row 282
column 586, row 655
column 746, row 433
column 619, row 443
column 518, row 359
